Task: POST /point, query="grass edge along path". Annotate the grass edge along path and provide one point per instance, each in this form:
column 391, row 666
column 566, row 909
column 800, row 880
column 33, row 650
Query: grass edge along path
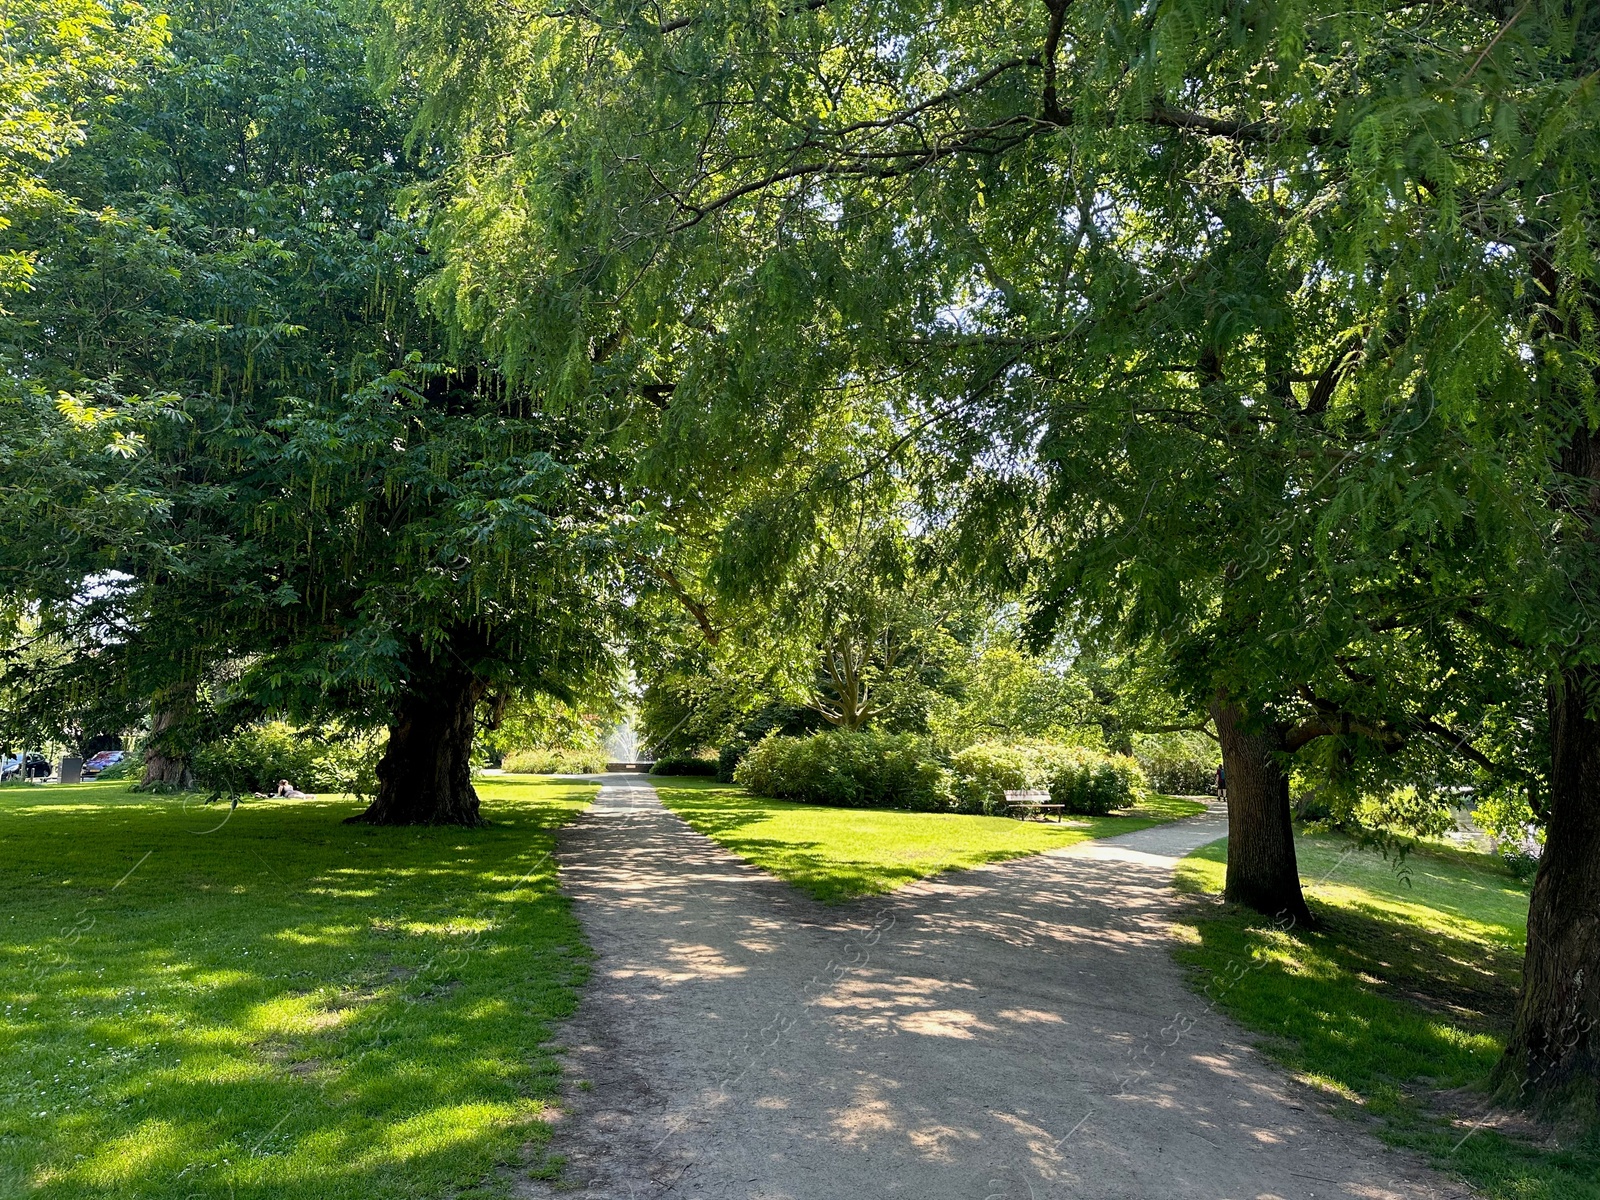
column 840, row 854
column 1396, row 1008
column 269, row 1004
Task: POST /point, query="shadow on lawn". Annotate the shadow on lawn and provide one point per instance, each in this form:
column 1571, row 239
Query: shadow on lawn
column 285, row 1007
column 1399, row 1003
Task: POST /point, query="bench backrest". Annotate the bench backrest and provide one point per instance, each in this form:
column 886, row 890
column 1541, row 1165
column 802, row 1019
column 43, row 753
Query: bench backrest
column 1027, row 797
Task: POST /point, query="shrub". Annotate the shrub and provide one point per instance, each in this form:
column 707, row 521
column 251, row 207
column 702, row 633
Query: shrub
column 581, row 761
column 1082, row 779
column 683, row 764
column 349, row 763
column 985, row 772
column 1312, row 804
column 851, row 769
column 1514, row 830
column 779, row 716
column 131, row 766
column 1092, row 784
column 254, row 758
column 1179, row 764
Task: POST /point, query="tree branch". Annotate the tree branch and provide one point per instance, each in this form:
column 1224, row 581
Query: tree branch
column 700, row 611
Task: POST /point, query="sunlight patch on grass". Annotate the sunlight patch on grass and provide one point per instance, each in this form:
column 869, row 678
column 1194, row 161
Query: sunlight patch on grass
column 440, row 1129
column 132, row 1156
column 840, row 854
column 1403, row 993
column 273, row 1004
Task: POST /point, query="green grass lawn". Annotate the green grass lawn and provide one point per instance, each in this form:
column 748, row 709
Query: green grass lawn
column 837, row 854
column 272, row 1004
column 1404, row 994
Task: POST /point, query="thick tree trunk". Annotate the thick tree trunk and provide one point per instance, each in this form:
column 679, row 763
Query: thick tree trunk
column 425, row 776
column 1262, row 871
column 1556, row 1043
column 166, row 753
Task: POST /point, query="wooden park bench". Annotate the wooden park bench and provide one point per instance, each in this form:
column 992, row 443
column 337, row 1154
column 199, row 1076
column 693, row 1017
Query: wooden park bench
column 1023, row 805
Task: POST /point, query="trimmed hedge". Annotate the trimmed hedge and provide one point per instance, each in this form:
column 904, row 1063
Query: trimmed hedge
column 682, row 764
column 847, row 769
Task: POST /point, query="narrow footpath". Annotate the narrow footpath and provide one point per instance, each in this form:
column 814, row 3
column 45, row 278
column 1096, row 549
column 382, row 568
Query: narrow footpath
column 1013, row 1032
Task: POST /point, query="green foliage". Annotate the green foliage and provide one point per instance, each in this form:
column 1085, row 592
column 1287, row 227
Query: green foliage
column 1516, row 831
column 531, row 721
column 128, row 769
column 1405, row 810
column 1095, row 783
column 777, row 716
column 684, row 765
column 1083, row 780
column 1223, row 336
column 856, row 625
column 698, row 700
column 582, row 760
column 1006, row 694
column 279, row 485
column 847, row 768
column 1180, row 764
column 60, row 62
column 256, row 757
column 274, row 992
column 983, row 773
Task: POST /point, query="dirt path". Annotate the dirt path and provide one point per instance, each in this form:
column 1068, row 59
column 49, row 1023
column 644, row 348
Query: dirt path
column 1012, row 1032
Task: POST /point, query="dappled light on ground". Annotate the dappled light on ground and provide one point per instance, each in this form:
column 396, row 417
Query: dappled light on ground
column 199, row 1002
column 1397, row 1005
column 1018, row 1021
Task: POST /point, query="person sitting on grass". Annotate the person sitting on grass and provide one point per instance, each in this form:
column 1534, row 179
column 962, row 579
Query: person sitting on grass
column 288, row 791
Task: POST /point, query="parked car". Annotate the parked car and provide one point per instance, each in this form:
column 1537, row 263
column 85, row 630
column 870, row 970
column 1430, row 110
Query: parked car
column 99, row 762
column 25, row 766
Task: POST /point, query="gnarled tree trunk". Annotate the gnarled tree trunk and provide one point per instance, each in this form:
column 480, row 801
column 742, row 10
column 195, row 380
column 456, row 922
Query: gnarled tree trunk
column 1262, row 871
column 425, row 776
column 166, row 753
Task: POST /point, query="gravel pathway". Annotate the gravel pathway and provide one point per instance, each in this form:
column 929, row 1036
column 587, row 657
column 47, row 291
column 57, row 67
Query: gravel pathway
column 1012, row 1032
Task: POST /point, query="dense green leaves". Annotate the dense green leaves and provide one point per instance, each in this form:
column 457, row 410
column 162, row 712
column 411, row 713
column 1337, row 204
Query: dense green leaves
column 305, row 500
column 1219, row 315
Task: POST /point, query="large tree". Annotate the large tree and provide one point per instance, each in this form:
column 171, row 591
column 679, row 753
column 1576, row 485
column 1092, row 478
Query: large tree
column 311, row 505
